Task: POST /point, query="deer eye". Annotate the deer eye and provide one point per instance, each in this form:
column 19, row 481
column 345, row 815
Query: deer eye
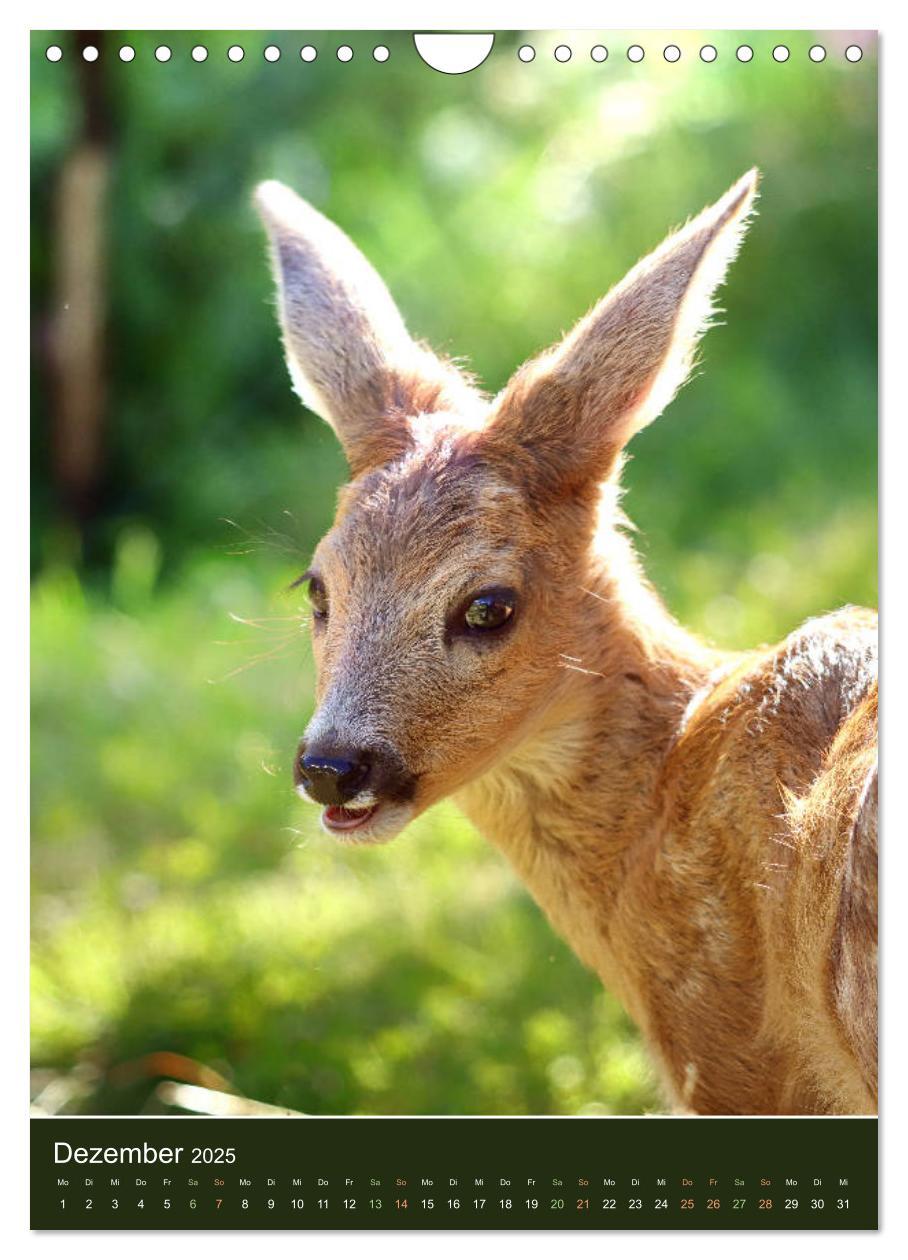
column 489, row 611
column 318, row 598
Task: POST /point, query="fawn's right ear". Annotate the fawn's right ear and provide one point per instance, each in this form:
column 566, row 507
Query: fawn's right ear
column 350, row 356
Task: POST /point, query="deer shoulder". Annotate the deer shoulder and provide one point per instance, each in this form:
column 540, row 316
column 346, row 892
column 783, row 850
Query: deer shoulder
column 764, row 866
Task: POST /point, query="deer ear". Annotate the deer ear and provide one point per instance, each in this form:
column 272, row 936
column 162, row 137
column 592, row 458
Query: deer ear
column 567, row 414
column 350, row 356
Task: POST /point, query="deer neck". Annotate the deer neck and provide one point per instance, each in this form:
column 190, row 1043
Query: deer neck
column 572, row 801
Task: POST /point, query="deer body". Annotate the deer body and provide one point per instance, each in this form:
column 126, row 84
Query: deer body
column 700, row 826
column 685, row 883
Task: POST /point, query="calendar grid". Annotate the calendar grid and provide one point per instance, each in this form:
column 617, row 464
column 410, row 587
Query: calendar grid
column 454, row 1173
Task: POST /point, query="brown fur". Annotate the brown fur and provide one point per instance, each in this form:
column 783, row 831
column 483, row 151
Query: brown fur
column 700, row 826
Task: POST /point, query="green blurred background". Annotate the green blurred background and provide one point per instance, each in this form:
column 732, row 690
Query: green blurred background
column 184, row 903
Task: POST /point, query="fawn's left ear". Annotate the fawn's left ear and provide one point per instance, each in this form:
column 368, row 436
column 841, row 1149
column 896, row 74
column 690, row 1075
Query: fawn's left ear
column 350, row 356
column 565, row 416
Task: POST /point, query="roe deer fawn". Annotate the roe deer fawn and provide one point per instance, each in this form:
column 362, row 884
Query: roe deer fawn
column 700, row 825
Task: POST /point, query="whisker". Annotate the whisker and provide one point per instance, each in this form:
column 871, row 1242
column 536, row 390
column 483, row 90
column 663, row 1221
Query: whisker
column 278, row 537
column 245, row 642
column 579, row 670
column 267, row 538
column 603, row 599
column 261, row 623
column 275, row 636
column 279, row 650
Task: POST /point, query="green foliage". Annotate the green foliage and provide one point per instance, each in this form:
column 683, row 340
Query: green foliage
column 182, row 900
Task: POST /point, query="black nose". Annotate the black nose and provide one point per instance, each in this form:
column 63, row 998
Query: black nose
column 331, row 780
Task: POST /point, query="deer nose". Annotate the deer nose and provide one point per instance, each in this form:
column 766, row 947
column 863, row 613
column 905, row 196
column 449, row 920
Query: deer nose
column 331, row 780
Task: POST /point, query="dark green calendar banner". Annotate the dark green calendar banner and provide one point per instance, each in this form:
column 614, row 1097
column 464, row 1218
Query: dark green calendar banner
column 458, row 1173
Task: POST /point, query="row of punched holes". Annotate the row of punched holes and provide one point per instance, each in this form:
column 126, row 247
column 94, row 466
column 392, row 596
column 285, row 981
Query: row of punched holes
column 526, row 53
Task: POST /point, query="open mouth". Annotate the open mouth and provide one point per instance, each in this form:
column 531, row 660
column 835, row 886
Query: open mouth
column 339, row 818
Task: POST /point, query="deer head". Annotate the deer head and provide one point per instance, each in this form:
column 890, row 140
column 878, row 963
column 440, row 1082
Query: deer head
column 447, row 591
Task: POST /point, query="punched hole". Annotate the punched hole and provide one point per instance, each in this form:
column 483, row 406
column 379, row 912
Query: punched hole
column 453, row 52
column 199, row 53
column 854, row 52
column 672, row 53
column 599, row 52
column 745, row 53
column 708, row 53
column 635, row 53
column 817, row 53
column 526, row 52
column 53, row 53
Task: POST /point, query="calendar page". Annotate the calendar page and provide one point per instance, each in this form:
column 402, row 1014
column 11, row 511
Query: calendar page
column 454, row 641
